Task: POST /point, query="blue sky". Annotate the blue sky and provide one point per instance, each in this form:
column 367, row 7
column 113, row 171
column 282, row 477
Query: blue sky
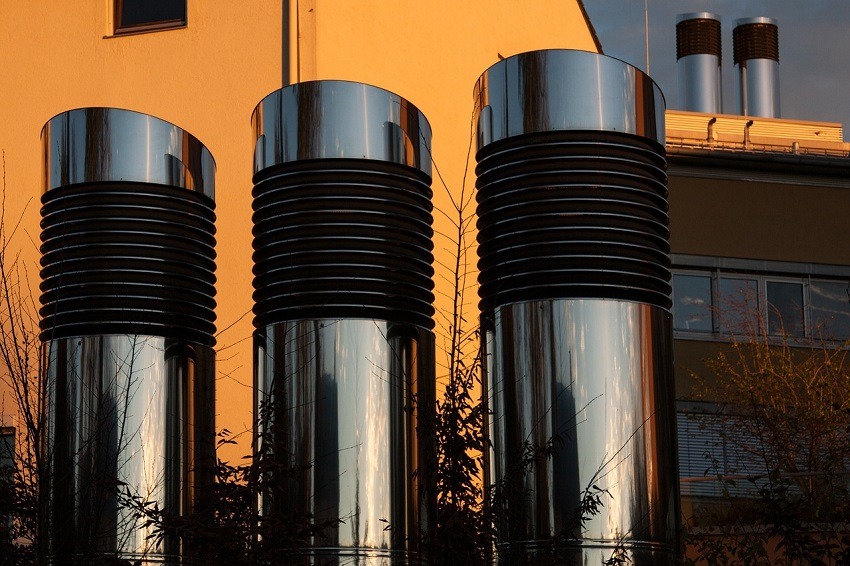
column 814, row 48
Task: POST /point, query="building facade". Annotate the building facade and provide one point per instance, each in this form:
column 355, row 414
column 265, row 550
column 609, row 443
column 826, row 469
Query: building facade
column 759, row 261
column 205, row 66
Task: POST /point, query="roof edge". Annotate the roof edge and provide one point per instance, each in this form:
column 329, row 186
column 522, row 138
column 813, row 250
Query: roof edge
column 590, row 27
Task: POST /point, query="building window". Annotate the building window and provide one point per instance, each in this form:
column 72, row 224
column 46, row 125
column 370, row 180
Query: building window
column 134, row 16
column 728, row 303
column 713, row 446
column 785, row 308
column 692, row 298
column 830, row 308
column 738, row 305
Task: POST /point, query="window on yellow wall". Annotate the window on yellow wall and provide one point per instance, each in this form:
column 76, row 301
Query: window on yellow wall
column 134, row 16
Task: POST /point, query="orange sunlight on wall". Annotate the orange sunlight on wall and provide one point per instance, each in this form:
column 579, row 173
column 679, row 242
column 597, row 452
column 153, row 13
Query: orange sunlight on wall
column 207, row 78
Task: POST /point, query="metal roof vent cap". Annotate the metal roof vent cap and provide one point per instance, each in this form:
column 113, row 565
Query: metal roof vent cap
column 698, row 58
column 756, row 55
column 128, row 325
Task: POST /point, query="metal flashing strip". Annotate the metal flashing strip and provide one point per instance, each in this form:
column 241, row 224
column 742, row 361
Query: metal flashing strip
column 811, row 171
column 759, row 266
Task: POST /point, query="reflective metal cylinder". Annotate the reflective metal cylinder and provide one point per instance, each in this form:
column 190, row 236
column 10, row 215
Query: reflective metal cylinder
column 756, row 55
column 344, row 366
column 698, row 58
column 575, row 298
column 127, row 322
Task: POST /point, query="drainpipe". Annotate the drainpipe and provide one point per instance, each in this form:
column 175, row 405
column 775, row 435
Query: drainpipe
column 710, row 133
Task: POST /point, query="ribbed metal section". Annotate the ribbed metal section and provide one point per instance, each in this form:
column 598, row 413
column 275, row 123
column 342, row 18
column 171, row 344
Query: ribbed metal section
column 755, row 41
column 128, row 258
column 698, row 36
column 573, row 214
column 343, row 238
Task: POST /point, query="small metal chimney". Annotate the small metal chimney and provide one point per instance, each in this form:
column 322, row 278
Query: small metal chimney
column 698, row 56
column 127, row 322
column 344, row 366
column 756, row 54
column 575, row 300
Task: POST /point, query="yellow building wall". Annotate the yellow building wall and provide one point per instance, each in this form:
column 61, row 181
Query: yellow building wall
column 207, row 78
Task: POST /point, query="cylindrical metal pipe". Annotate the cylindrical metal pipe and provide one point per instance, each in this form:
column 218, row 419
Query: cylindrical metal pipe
column 344, row 367
column 575, row 297
column 756, row 55
column 698, row 57
column 127, row 324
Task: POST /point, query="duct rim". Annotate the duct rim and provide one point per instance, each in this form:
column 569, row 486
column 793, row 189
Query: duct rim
column 697, row 16
column 314, row 120
column 117, row 145
column 600, row 105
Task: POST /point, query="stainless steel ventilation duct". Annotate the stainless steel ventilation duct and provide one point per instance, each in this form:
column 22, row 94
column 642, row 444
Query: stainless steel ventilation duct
column 344, row 367
column 127, row 323
column 575, row 298
column 698, row 57
column 756, row 54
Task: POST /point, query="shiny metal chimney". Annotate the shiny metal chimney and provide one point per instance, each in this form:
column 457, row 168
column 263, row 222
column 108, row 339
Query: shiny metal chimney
column 344, row 366
column 127, row 324
column 756, row 54
column 698, row 57
column 575, row 299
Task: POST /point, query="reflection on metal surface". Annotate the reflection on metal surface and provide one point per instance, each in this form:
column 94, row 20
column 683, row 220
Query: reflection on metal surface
column 575, row 292
column 339, row 402
column 756, row 54
column 698, row 58
column 339, row 119
column 127, row 323
column 592, row 379
column 554, row 90
column 344, row 366
column 109, row 144
column 138, row 410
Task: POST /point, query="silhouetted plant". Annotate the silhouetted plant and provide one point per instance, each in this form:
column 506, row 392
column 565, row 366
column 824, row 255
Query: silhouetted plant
column 784, row 405
column 226, row 526
column 22, row 372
